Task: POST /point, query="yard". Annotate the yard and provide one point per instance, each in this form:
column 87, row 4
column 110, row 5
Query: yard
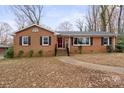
column 111, row 59
column 49, row 72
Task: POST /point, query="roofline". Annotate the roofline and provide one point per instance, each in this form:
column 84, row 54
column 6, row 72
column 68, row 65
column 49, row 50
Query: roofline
column 43, row 27
column 5, row 46
column 86, row 35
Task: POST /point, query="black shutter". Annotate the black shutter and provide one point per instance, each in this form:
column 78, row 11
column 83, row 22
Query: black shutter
column 91, row 40
column 110, row 40
column 72, row 41
column 29, row 40
column 102, row 40
column 20, row 40
column 75, row 40
column 50, row 40
column 41, row 40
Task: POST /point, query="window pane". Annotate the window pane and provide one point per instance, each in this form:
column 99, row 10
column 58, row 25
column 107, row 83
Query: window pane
column 87, row 41
column 25, row 40
column 105, row 41
column 80, row 41
column 83, row 40
column 45, row 40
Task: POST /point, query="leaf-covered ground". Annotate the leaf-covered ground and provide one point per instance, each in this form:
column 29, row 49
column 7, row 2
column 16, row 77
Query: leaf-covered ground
column 49, row 72
column 111, row 59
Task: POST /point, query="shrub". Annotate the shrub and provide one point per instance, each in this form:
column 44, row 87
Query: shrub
column 20, row 54
column 9, row 53
column 40, row 52
column 31, row 53
column 109, row 48
column 119, row 48
column 120, row 44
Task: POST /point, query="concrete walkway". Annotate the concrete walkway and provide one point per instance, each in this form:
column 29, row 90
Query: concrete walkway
column 119, row 70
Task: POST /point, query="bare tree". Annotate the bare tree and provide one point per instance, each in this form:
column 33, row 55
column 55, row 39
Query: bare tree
column 119, row 18
column 95, row 13
column 27, row 14
column 5, row 30
column 65, row 26
column 110, row 13
column 92, row 18
column 103, row 15
column 89, row 22
column 99, row 17
column 79, row 23
column 122, row 24
column 20, row 21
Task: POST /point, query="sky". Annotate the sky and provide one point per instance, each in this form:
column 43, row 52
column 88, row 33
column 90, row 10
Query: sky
column 53, row 15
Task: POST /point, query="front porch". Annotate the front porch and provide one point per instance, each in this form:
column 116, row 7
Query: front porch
column 63, row 45
column 63, row 42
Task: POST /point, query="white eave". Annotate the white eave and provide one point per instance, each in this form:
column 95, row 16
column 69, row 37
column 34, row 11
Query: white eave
column 40, row 26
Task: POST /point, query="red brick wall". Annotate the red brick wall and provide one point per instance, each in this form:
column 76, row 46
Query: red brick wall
column 95, row 48
column 35, row 42
column 49, row 50
column 2, row 50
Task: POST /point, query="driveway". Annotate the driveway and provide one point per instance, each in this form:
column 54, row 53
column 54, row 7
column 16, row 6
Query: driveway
column 70, row 60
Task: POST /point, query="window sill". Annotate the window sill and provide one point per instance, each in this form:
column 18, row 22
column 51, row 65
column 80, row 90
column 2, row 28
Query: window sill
column 25, row 45
column 45, row 45
column 105, row 45
column 81, row 45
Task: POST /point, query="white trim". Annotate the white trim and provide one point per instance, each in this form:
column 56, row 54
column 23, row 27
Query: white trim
column 69, row 43
column 43, row 40
column 66, row 43
column 107, row 41
column 23, row 41
column 82, row 44
column 35, row 29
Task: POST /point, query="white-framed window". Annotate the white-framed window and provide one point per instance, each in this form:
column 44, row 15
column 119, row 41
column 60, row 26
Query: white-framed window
column 35, row 29
column 105, row 41
column 25, row 40
column 81, row 41
column 45, row 40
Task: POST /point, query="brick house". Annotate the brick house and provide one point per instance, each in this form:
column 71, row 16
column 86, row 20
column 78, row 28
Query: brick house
column 37, row 38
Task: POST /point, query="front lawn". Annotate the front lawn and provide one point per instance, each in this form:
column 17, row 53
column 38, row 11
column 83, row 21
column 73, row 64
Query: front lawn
column 111, row 59
column 49, row 72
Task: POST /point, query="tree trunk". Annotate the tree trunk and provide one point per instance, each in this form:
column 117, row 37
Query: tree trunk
column 119, row 19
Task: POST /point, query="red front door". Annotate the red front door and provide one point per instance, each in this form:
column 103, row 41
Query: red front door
column 60, row 42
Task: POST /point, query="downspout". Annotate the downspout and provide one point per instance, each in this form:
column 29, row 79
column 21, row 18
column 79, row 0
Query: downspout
column 69, row 43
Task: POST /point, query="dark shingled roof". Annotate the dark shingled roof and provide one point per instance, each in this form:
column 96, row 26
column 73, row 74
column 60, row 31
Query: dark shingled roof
column 78, row 33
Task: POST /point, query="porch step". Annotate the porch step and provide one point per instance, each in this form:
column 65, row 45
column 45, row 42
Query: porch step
column 61, row 52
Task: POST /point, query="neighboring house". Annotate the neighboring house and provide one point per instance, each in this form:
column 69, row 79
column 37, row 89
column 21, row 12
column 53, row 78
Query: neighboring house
column 3, row 48
column 37, row 38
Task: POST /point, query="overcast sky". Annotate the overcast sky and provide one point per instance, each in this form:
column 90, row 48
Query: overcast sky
column 52, row 16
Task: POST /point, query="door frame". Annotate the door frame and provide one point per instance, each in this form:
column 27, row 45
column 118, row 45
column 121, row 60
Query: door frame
column 63, row 45
column 69, row 43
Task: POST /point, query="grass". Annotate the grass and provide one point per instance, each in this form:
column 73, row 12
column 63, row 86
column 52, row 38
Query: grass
column 111, row 59
column 50, row 72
